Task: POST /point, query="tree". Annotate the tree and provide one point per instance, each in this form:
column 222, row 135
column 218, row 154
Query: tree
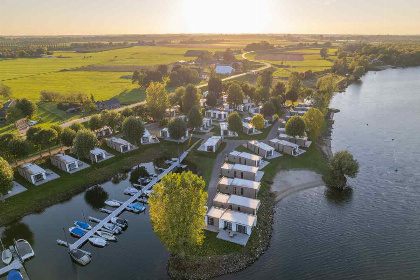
column 68, row 136
column 95, row 122
column 145, row 77
column 46, row 137
column 268, row 109
column 5, row 91
column 27, row 107
column 137, row 173
column 358, row 72
column 306, row 93
column 265, row 79
column 342, row 164
column 324, row 53
column 177, row 128
column 195, row 118
column 76, row 126
column 141, row 111
column 234, row 122
column 279, row 90
column 215, row 86
column 258, row 121
column 228, row 56
column 59, row 130
column 163, row 69
column 263, row 93
column 13, row 114
column 294, row 82
column 211, row 99
column 292, row 95
column 157, row 100
column 246, row 65
column 18, row 148
column 88, row 107
column 191, row 98
column 235, row 94
column 133, row 129
column 295, row 126
column 84, row 142
column 6, row 177
column 278, row 104
column 127, row 112
column 4, row 141
column 111, row 118
column 314, row 121
column 176, row 199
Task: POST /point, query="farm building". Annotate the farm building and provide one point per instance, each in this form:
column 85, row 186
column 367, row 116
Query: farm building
column 247, row 188
column 260, row 148
column 148, row 138
column 97, row 155
column 225, row 132
column 164, row 133
column 32, row 172
column 103, row 132
column 119, row 144
column 224, row 69
column 211, row 145
column 231, row 224
column 220, row 115
column 245, row 158
column 237, row 203
column 239, row 171
column 248, row 128
column 66, row 163
column 286, row 147
column 301, row 141
column 109, row 104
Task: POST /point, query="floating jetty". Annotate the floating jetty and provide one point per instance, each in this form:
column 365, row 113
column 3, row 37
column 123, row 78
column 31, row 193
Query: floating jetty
column 120, row 209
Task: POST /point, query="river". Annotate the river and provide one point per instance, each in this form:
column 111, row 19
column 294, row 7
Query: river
column 369, row 232
column 373, row 230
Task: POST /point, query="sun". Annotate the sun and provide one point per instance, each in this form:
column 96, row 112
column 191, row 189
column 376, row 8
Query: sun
column 225, row 16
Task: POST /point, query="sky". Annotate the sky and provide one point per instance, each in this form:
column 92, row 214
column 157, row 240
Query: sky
column 90, row 17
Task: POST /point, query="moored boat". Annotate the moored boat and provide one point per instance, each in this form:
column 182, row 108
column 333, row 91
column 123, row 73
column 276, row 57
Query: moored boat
column 136, row 207
column 112, row 203
column 106, row 235
column 97, row 241
column 24, row 249
column 112, row 228
column 131, row 191
column 6, row 255
column 77, row 232
column 14, row 275
column 82, row 225
column 123, row 223
column 80, row 256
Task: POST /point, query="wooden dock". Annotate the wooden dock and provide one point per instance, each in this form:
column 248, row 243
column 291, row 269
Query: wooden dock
column 123, row 207
column 17, row 264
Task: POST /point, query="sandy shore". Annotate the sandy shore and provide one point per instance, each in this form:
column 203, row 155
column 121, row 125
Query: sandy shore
column 291, row 181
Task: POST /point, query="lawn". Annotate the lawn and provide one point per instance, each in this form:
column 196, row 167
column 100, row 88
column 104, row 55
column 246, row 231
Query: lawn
column 37, row 198
column 103, row 85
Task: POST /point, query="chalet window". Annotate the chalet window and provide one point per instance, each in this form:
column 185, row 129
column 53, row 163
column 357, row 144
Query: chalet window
column 234, row 190
column 242, row 191
column 227, row 225
column 210, row 221
column 241, row 229
column 242, row 175
column 239, row 208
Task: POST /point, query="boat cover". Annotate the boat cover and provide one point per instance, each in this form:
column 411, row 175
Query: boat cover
column 14, row 275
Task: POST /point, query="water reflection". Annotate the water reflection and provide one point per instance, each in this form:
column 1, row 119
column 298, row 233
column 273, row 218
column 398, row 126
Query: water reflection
column 17, row 231
column 339, row 196
column 96, row 197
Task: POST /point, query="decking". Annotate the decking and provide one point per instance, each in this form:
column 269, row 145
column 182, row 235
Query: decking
column 17, row 264
column 123, row 207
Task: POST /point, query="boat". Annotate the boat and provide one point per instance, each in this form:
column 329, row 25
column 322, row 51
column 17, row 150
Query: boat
column 112, row 203
column 106, row 235
column 97, row 241
column 6, row 255
column 77, row 232
column 24, row 249
column 122, row 223
column 147, row 193
column 136, row 207
column 79, row 256
column 131, row 191
column 112, row 228
column 14, row 275
column 82, row 225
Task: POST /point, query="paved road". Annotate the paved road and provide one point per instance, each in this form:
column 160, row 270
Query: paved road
column 231, row 145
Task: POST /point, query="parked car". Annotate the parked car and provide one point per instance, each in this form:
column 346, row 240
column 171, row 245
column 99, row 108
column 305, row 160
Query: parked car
column 31, row 123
